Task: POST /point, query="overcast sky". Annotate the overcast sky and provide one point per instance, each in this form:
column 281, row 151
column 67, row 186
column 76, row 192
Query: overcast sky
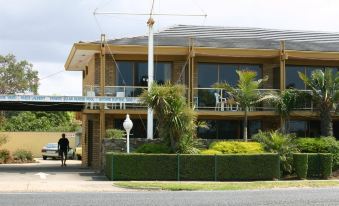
column 43, row 31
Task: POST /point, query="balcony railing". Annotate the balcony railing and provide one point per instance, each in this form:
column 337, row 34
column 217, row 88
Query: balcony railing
column 220, row 100
column 115, row 91
column 211, row 99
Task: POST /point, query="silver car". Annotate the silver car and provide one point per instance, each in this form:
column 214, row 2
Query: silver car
column 51, row 150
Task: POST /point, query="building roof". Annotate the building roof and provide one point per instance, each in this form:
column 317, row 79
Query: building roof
column 238, row 37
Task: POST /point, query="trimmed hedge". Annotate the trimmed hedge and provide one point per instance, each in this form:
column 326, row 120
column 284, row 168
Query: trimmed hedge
column 192, row 167
column 316, row 165
column 300, row 163
column 196, row 167
column 248, row 167
column 319, row 165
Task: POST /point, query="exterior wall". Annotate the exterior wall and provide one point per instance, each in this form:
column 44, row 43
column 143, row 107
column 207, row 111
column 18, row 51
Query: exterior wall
column 34, row 141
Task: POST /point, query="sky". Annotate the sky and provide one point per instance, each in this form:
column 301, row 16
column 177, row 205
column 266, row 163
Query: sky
column 43, row 31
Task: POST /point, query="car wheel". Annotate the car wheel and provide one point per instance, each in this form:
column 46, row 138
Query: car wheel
column 44, row 157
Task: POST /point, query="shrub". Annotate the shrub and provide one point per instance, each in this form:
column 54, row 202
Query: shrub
column 196, row 167
column 4, row 155
column 23, row 155
column 319, row 165
column 228, row 147
column 248, row 167
column 144, row 167
column 282, row 144
column 115, row 133
column 153, row 148
column 210, row 152
column 300, row 162
column 192, row 167
column 320, row 145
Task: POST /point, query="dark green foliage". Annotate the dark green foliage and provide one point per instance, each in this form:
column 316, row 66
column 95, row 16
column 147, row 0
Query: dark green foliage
column 319, row 165
column 153, row 148
column 23, row 155
column 41, row 121
column 144, row 167
column 300, row 163
column 108, row 165
column 196, row 167
column 192, row 167
column 248, row 167
column 283, row 144
column 4, row 155
column 320, row 145
column 177, row 121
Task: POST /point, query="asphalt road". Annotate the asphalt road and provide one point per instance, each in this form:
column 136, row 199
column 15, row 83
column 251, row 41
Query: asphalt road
column 278, row 197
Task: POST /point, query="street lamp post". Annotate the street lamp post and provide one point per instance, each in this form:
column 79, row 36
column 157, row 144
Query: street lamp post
column 128, row 124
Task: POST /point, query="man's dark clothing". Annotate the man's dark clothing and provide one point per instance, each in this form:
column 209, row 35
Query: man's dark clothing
column 63, row 145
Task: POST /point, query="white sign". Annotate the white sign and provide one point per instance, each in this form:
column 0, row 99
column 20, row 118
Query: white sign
column 71, row 99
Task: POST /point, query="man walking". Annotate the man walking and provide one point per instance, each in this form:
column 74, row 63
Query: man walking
column 63, row 146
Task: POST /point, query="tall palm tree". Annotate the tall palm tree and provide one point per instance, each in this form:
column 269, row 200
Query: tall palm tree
column 284, row 102
column 245, row 93
column 325, row 93
column 176, row 120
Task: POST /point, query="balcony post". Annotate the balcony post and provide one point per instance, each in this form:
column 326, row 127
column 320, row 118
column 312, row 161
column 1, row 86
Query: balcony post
column 283, row 58
column 102, row 93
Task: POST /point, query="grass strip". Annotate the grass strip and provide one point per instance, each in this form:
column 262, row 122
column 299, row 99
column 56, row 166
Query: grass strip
column 209, row 186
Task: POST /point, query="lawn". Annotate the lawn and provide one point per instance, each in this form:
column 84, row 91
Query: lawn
column 176, row 186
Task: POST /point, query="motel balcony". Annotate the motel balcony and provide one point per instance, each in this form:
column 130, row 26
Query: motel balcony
column 204, row 99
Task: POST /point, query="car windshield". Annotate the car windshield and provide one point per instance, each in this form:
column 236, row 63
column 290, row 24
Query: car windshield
column 52, row 145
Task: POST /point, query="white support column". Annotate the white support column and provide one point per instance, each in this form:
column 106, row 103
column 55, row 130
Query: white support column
column 150, row 23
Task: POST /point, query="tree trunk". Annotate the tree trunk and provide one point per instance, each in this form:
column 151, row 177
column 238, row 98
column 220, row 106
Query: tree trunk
column 245, row 125
column 326, row 125
column 283, row 125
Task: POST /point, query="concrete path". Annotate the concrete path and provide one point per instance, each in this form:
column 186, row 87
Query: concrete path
column 49, row 176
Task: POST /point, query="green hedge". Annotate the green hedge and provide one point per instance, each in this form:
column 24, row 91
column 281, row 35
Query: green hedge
column 144, row 167
column 319, row 165
column 192, row 167
column 320, row 145
column 313, row 165
column 300, row 163
column 248, row 167
column 196, row 167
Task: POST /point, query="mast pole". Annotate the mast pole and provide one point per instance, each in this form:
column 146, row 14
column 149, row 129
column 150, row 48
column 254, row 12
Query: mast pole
column 150, row 24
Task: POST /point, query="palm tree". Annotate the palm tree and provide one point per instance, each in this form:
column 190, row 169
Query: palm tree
column 325, row 93
column 284, row 102
column 245, row 93
column 176, row 120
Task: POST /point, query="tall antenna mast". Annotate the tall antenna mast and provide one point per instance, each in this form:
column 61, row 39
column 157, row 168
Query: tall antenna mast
column 150, row 24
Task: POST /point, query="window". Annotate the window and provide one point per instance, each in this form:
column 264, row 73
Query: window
column 228, row 129
column 292, row 77
column 136, row 73
column 209, row 74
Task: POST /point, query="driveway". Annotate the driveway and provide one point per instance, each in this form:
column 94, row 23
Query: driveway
column 49, row 176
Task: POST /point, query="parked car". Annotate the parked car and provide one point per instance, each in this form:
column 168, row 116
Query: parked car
column 78, row 152
column 51, row 150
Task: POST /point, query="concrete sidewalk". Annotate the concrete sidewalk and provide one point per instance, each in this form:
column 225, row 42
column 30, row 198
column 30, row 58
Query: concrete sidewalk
column 49, row 176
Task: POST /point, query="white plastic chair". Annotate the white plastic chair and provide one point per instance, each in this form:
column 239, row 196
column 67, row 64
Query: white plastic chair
column 121, row 94
column 90, row 94
column 219, row 102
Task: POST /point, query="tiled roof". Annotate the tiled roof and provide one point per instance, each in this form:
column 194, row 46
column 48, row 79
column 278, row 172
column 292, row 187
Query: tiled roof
column 237, row 37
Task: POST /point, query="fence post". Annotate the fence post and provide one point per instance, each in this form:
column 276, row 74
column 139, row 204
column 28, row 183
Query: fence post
column 215, row 167
column 178, row 166
column 112, row 167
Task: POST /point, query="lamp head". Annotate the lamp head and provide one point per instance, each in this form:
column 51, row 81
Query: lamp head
column 128, row 124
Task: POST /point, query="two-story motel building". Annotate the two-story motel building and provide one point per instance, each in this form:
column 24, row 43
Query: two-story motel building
column 199, row 56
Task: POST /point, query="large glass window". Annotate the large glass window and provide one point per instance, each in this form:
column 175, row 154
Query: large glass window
column 136, row 73
column 209, row 74
column 227, row 129
column 292, row 77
